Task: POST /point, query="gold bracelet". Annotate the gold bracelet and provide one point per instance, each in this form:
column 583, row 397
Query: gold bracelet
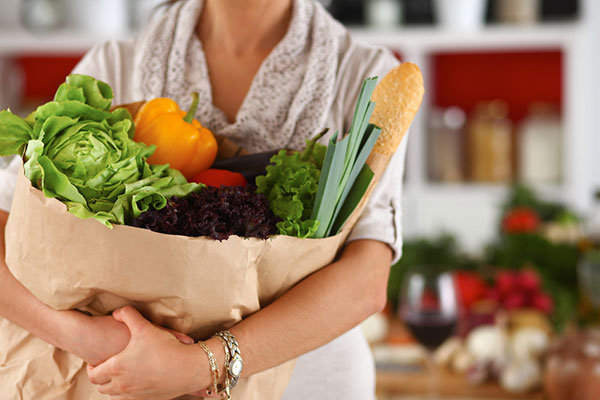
column 225, row 387
column 213, row 365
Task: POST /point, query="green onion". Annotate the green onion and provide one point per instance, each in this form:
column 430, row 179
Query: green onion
column 344, row 179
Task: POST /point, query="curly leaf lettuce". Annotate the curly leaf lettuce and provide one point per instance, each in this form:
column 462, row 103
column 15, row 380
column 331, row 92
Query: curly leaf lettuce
column 291, row 185
column 81, row 153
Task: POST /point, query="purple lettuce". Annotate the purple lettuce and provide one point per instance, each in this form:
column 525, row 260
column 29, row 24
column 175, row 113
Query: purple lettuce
column 213, row 212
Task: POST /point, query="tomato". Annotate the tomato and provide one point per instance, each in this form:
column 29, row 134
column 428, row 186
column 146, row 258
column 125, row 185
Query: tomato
column 471, row 287
column 521, row 220
column 220, row 177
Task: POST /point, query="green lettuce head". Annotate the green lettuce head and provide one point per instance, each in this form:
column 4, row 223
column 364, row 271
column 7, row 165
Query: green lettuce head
column 81, row 153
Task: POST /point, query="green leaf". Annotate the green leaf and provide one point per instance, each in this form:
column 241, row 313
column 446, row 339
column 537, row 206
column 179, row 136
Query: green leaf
column 14, row 134
column 357, row 192
column 372, row 135
column 360, row 121
column 57, row 184
column 324, row 175
column 344, row 160
column 97, row 93
column 331, row 187
column 291, row 185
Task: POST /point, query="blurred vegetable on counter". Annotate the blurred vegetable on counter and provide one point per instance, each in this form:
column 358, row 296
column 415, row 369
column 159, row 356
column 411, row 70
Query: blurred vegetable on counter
column 520, row 220
column 529, row 264
column 573, row 367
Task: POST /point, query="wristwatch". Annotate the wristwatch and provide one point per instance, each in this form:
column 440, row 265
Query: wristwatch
column 236, row 363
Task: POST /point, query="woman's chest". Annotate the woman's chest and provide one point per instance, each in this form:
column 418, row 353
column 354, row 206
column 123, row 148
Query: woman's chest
column 231, row 78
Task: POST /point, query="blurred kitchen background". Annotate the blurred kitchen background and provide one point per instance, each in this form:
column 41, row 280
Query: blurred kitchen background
column 502, row 183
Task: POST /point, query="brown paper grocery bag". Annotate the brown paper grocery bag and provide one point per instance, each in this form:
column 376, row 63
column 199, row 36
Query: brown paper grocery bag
column 194, row 285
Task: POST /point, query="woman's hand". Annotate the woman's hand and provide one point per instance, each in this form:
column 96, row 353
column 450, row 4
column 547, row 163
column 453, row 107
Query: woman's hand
column 150, row 367
column 96, row 339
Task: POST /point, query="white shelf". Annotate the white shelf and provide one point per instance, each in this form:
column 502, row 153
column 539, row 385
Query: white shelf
column 493, row 37
column 19, row 41
column 420, row 39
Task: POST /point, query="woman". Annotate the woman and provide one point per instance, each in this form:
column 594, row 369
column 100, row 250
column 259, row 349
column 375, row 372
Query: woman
column 270, row 74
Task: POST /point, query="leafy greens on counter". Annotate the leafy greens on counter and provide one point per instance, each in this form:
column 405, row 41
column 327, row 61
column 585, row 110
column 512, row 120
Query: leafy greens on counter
column 78, row 151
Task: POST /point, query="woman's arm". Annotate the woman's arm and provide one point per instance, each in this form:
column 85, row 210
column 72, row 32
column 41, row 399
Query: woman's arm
column 94, row 339
column 315, row 311
column 318, row 309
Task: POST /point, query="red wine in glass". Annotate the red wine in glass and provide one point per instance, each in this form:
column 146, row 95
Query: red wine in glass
column 429, row 308
column 431, row 330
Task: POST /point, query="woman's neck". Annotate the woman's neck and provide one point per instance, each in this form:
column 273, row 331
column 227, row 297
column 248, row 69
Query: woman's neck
column 240, row 27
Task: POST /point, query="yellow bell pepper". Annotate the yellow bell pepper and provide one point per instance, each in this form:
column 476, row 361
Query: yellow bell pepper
column 181, row 141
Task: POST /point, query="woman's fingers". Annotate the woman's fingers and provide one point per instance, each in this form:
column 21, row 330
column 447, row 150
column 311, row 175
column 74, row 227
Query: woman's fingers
column 103, row 373
column 109, row 389
column 132, row 318
column 95, row 379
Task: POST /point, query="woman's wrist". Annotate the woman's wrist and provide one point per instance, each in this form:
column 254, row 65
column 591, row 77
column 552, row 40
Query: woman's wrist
column 201, row 374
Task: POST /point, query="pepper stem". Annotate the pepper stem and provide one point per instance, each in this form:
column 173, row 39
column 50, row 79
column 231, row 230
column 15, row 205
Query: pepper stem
column 189, row 117
column 307, row 153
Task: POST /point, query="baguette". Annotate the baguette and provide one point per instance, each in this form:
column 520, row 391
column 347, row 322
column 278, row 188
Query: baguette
column 397, row 98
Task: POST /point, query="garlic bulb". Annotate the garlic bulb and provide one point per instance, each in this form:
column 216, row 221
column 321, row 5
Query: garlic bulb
column 529, row 343
column 521, row 377
column 462, row 361
column 488, row 343
column 447, row 351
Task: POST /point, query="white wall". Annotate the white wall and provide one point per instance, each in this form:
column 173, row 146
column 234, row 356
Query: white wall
column 9, row 17
column 594, row 21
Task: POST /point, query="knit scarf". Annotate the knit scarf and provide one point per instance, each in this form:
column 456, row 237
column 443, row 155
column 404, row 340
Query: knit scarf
column 290, row 96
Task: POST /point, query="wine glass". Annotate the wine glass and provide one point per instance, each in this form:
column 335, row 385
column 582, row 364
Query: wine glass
column 429, row 308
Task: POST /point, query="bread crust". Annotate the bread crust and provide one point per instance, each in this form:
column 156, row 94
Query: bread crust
column 397, row 98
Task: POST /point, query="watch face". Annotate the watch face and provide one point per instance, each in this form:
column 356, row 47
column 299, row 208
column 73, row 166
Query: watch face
column 236, row 367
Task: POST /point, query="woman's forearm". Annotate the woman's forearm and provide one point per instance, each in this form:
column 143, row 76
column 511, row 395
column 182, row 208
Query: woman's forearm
column 318, row 309
column 92, row 339
column 18, row 305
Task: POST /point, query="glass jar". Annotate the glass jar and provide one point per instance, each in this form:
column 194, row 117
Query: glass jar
column 490, row 143
column 540, row 145
column 383, row 13
column 517, row 11
column 445, row 144
column 42, row 15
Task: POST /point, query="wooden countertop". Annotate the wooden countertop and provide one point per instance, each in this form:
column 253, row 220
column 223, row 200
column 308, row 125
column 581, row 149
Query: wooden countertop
column 412, row 382
column 402, row 384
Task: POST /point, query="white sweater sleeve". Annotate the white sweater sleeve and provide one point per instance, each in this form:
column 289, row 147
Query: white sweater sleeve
column 9, row 168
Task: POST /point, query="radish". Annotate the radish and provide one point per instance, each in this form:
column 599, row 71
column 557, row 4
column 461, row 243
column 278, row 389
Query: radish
column 542, row 302
column 514, row 300
column 529, row 280
column 506, row 282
